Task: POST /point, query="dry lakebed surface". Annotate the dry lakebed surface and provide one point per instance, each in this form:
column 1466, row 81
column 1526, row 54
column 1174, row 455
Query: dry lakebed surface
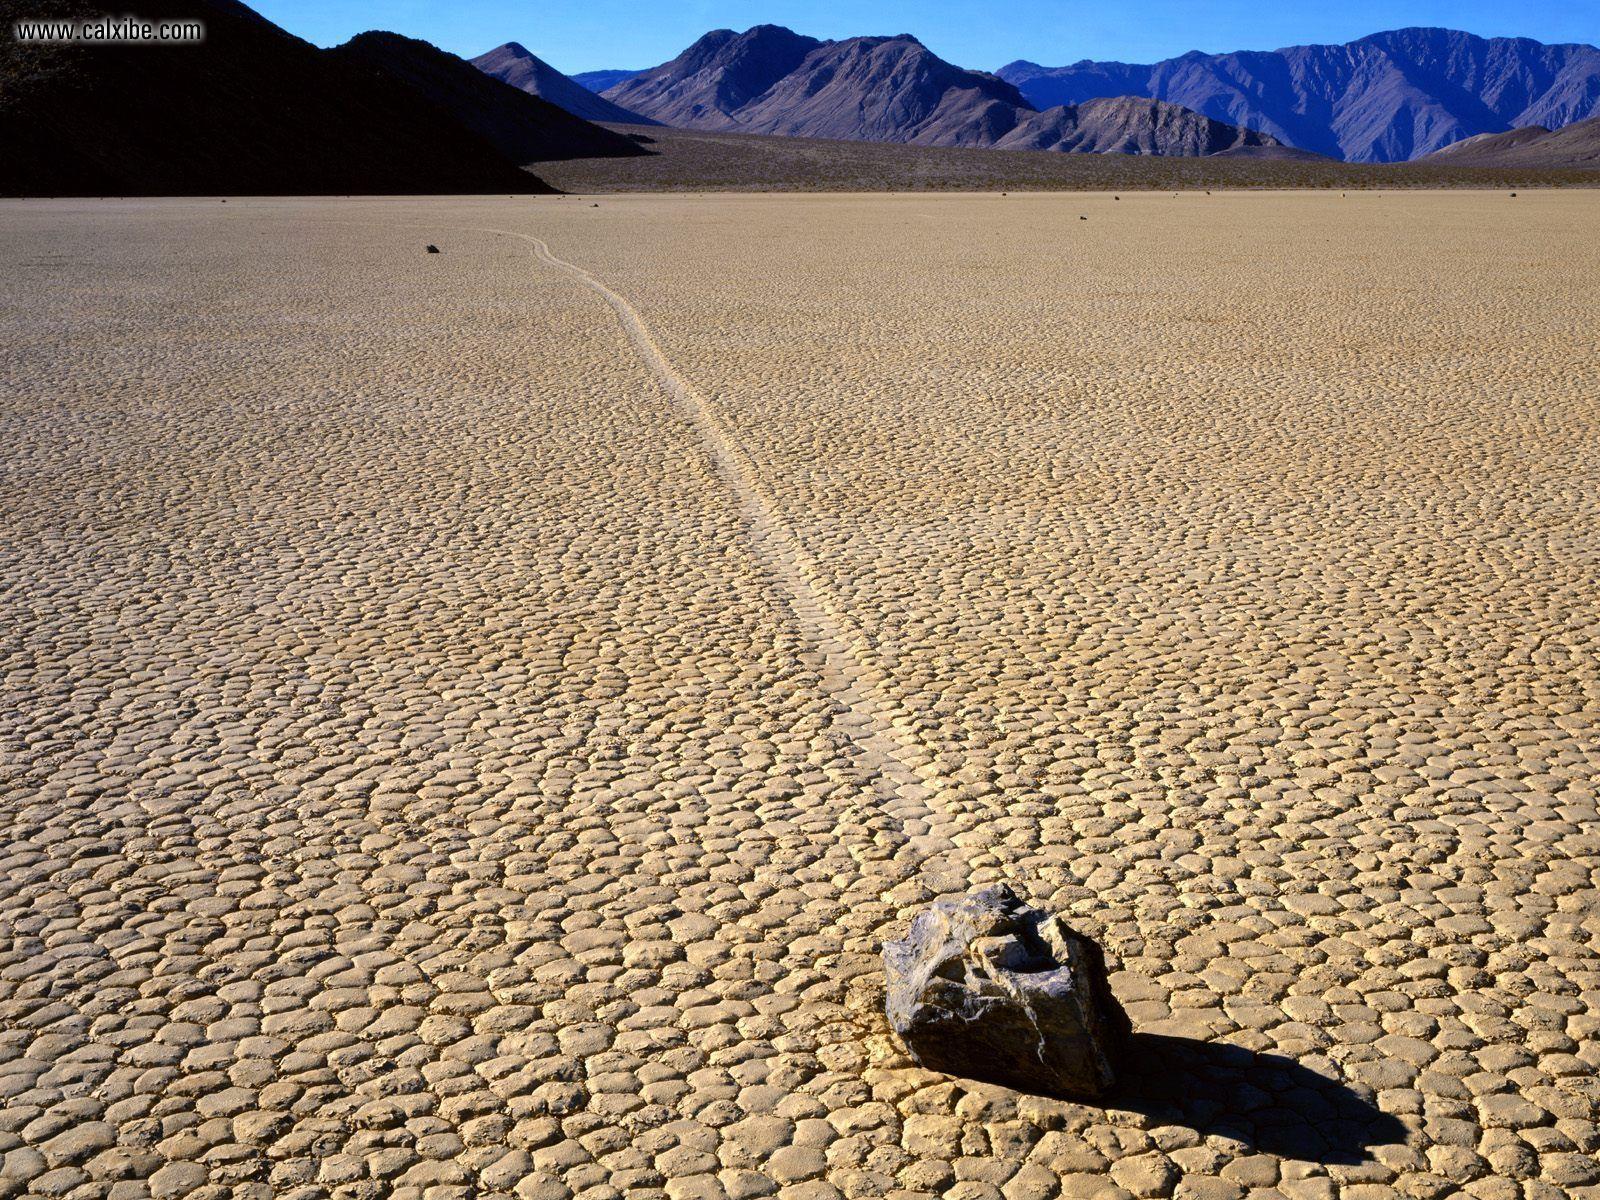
column 470, row 721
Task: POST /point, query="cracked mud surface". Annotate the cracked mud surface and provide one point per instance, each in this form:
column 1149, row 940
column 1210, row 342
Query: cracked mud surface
column 441, row 757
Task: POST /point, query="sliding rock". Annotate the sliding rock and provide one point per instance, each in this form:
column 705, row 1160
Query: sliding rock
column 988, row 988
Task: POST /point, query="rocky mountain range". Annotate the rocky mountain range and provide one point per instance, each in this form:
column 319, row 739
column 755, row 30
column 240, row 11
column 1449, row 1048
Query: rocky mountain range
column 770, row 80
column 1388, row 97
column 516, row 65
column 1384, row 98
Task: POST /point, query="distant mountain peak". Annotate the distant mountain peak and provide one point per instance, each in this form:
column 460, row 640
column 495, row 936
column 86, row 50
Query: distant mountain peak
column 515, row 64
column 756, row 34
column 716, row 76
column 599, row 81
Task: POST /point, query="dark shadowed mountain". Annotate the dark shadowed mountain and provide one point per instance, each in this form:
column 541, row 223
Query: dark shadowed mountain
column 522, row 126
column 769, row 80
column 711, row 81
column 516, row 65
column 249, row 110
column 1572, row 146
column 599, row 81
column 1129, row 125
column 1385, row 98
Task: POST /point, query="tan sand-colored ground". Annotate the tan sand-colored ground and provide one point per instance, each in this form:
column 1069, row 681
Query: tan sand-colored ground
column 468, row 726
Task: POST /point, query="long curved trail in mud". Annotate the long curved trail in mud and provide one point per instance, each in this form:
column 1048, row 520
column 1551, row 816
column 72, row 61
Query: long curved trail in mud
column 868, row 716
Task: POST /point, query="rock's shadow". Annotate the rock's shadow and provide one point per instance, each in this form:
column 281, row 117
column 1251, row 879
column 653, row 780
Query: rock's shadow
column 1271, row 1103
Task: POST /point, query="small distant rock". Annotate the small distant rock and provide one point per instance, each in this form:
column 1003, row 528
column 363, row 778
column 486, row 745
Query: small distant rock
column 432, row 249
column 987, row 988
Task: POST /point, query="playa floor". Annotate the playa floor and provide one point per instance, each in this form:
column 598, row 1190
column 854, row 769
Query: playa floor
column 468, row 722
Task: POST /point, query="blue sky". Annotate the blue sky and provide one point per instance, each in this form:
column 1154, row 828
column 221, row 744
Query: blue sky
column 584, row 35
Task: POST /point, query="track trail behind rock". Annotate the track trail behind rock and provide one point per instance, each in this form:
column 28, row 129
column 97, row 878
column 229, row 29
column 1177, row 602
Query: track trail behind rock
column 870, row 717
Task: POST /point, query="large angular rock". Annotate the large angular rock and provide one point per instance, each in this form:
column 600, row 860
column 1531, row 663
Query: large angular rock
column 988, row 988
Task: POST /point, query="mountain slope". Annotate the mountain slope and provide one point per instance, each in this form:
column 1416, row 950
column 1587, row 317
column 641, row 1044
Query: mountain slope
column 1130, row 125
column 250, row 110
column 523, row 127
column 885, row 89
column 514, row 64
column 1384, row 98
column 1575, row 145
column 714, row 78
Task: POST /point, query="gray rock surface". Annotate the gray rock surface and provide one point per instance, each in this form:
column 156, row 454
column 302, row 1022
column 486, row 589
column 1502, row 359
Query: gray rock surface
column 985, row 987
